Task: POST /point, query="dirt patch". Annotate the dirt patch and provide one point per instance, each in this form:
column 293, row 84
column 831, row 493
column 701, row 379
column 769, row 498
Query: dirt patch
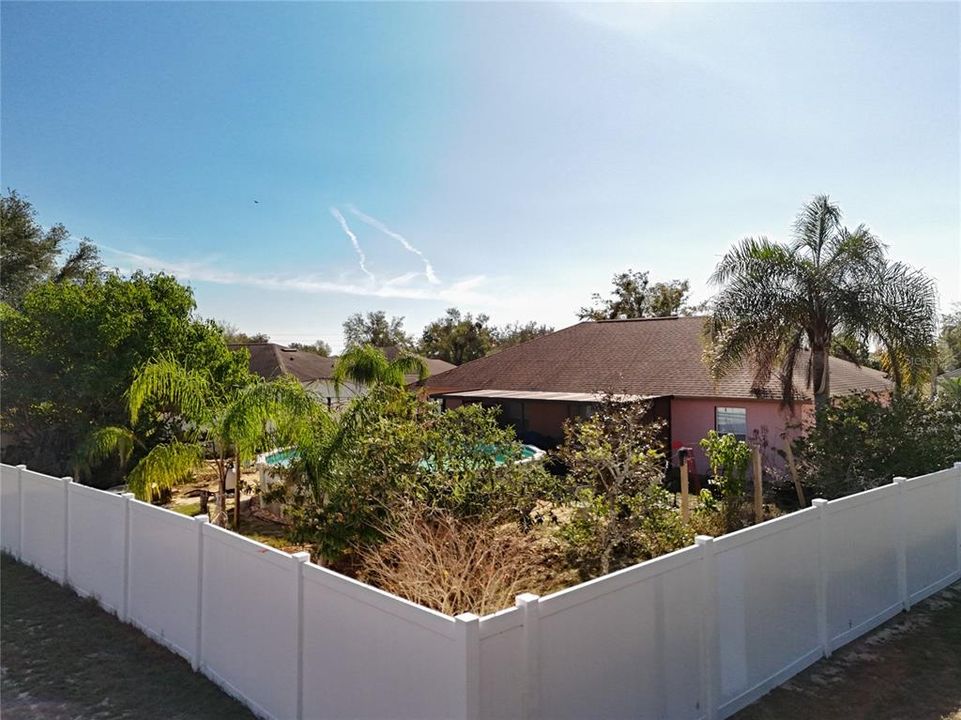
column 908, row 669
column 64, row 657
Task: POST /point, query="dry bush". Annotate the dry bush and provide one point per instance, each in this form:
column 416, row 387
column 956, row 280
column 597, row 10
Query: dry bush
column 457, row 565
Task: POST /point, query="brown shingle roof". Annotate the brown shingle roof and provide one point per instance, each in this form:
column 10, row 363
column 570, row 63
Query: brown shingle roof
column 657, row 356
column 271, row 360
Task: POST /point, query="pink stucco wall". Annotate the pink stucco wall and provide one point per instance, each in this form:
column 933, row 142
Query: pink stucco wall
column 691, row 419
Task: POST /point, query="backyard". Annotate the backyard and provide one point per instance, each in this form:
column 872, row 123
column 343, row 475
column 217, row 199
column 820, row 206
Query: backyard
column 63, row 657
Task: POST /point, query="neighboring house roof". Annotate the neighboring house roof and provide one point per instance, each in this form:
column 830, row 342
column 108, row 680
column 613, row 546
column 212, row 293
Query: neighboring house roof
column 270, row 360
column 435, row 366
column 656, row 356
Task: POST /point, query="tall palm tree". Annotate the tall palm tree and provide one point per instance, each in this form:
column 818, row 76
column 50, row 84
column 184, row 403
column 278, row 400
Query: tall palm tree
column 780, row 299
column 229, row 425
column 367, row 365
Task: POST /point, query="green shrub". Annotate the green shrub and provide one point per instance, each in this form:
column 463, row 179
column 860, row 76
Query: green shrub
column 863, row 441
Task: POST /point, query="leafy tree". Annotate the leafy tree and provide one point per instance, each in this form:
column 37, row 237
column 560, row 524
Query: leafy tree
column 228, row 423
column 633, row 296
column 367, row 365
column 31, row 255
column 233, row 336
column 729, row 459
column 615, row 468
column 375, row 329
column 863, row 441
column 516, row 333
column 318, row 347
column 457, row 338
column 779, row 299
column 70, row 354
column 949, row 342
column 362, row 469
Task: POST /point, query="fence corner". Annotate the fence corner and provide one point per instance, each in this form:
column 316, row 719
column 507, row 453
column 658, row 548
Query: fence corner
column 467, row 685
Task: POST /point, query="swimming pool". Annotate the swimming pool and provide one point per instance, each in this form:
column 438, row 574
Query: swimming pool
column 283, row 457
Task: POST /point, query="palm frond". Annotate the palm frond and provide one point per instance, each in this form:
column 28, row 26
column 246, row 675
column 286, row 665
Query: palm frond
column 163, row 467
column 101, row 444
column 186, row 392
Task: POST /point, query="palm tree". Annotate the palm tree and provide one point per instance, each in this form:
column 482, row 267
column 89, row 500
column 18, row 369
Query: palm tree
column 230, row 425
column 367, row 365
column 778, row 300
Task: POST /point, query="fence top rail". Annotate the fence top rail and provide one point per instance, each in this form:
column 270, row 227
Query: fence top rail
column 619, row 580
column 246, row 545
column 753, row 533
column 933, row 478
column 865, row 497
column 380, row 600
column 500, row 621
column 155, row 512
column 95, row 493
column 45, row 480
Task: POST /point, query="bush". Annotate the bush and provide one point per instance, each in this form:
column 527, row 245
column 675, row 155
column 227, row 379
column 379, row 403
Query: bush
column 455, row 565
column 863, row 441
column 729, row 458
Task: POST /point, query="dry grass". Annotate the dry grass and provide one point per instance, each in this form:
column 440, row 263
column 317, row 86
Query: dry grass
column 457, row 566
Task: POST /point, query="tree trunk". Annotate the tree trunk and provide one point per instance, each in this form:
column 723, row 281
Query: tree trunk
column 237, row 493
column 820, row 377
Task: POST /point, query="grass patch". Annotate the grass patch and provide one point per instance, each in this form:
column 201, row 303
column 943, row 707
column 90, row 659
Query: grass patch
column 64, row 657
column 188, row 509
column 910, row 667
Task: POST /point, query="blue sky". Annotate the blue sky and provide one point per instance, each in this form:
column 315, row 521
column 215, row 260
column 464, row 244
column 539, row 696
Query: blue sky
column 503, row 158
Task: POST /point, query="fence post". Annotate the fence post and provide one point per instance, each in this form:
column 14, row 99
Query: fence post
column 821, row 507
column 300, row 560
column 20, row 469
column 708, row 631
column 902, row 543
column 957, row 466
column 529, row 605
column 467, row 687
column 125, row 597
column 198, row 655
column 66, row 529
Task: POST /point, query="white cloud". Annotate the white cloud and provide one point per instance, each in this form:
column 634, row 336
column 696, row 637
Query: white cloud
column 465, row 291
column 377, row 224
column 353, row 240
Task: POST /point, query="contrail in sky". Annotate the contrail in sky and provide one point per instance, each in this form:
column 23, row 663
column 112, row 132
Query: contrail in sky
column 353, row 239
column 375, row 223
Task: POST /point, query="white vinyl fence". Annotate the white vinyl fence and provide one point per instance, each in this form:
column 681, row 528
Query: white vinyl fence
column 699, row 633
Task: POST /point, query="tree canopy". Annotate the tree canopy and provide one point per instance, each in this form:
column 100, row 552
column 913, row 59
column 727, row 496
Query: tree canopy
column 71, row 351
column 32, row 255
column 457, row 338
column 633, row 296
column 779, row 299
column 376, row 329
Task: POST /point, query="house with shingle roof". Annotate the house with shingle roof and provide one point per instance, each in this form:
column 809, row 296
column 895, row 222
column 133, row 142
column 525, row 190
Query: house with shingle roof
column 541, row 383
column 315, row 372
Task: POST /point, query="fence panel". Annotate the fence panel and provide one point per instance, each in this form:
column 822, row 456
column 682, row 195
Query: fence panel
column 931, row 506
column 368, row 654
column 502, row 664
column 250, row 621
column 626, row 645
column 44, row 524
column 766, row 606
column 96, row 544
column 10, row 509
column 862, row 563
column 164, row 575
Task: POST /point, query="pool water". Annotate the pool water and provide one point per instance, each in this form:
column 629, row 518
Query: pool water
column 282, row 458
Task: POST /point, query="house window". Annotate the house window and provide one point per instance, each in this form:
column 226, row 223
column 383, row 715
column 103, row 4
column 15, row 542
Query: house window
column 731, row 421
column 583, row 411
